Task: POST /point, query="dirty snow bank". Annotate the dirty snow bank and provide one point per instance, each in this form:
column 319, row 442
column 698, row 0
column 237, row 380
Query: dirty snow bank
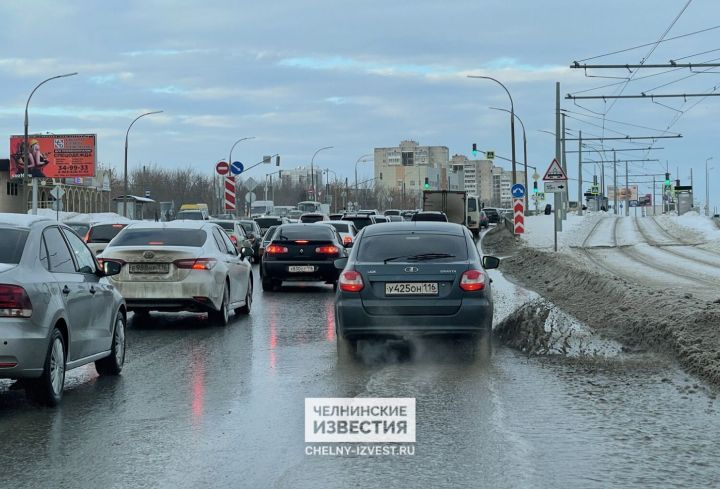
column 540, row 230
column 633, row 314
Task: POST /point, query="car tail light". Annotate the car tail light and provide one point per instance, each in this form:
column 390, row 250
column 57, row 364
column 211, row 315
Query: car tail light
column 14, row 302
column 275, row 249
column 472, row 280
column 196, row 264
column 351, row 281
column 301, row 241
column 347, row 240
column 233, row 239
column 86, row 238
column 327, row 250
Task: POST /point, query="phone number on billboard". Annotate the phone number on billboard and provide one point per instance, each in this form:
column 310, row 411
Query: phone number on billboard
column 69, row 169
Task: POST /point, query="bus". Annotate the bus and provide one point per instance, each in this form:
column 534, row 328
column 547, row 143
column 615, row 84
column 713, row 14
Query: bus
column 313, row 206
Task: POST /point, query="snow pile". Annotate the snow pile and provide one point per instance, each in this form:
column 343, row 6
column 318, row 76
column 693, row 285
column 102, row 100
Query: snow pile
column 694, row 227
column 539, row 230
column 78, row 217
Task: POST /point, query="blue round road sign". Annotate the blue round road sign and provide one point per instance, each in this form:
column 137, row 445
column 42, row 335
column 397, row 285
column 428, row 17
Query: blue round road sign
column 237, row 168
column 518, row 191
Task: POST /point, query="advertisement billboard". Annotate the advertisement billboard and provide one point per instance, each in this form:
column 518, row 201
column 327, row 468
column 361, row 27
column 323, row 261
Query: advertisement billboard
column 54, row 155
column 645, row 200
column 631, row 192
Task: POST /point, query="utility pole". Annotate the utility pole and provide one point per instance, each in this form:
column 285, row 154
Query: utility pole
column 558, row 157
column 563, row 163
column 627, row 192
column 653, row 198
column 615, row 189
column 580, row 183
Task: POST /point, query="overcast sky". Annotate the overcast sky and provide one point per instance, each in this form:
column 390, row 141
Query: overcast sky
column 300, row 75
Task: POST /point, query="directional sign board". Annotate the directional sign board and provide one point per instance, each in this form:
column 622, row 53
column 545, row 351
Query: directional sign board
column 555, row 172
column 237, row 168
column 222, row 168
column 519, row 215
column 518, row 190
column 57, row 192
column 553, row 187
column 250, row 184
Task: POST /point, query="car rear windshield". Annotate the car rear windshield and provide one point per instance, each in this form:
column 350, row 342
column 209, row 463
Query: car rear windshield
column 407, row 247
column 490, row 211
column 314, row 233
column 269, row 233
column 161, row 237
column 227, row 226
column 248, row 227
column 80, row 229
column 429, row 217
column 340, row 227
column 191, row 215
column 12, row 245
column 266, row 222
column 311, row 219
column 360, row 222
column 103, row 233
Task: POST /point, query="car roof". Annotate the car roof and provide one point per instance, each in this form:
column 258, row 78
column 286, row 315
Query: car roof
column 178, row 224
column 335, row 221
column 362, row 216
column 430, row 212
column 415, row 226
column 21, row 220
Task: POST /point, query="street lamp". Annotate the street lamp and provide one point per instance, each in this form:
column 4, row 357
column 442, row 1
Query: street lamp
column 26, row 150
column 707, row 187
column 361, row 159
column 312, row 171
column 512, row 120
column 233, row 147
column 125, row 197
column 524, row 154
column 328, row 171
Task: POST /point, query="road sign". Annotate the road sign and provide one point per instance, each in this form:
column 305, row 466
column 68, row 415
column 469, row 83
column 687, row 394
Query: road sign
column 222, row 168
column 554, row 187
column 57, row 192
column 555, row 172
column 538, row 197
column 490, row 155
column 633, row 203
column 230, row 189
column 267, row 160
column 519, row 215
column 250, row 196
column 237, row 168
column 595, row 189
column 518, row 191
column 250, row 184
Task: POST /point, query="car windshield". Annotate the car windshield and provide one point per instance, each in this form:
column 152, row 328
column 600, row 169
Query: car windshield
column 412, row 247
column 266, row 222
column 103, row 233
column 314, row 233
column 472, row 205
column 359, row 221
column 160, row 237
column 12, row 245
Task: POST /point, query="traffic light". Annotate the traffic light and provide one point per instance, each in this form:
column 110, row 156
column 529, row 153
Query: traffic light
column 280, row 174
column 277, row 160
column 667, row 179
column 535, row 189
column 427, row 183
column 474, row 150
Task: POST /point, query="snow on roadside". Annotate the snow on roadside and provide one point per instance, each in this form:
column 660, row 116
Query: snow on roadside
column 539, row 230
column 694, row 226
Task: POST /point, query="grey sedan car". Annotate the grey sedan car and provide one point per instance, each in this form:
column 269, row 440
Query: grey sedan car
column 57, row 309
column 413, row 278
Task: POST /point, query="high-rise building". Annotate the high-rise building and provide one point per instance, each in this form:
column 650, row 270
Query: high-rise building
column 502, row 186
column 405, row 167
column 477, row 176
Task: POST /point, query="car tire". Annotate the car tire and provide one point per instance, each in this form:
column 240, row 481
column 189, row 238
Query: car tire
column 245, row 310
column 48, row 389
column 113, row 364
column 221, row 317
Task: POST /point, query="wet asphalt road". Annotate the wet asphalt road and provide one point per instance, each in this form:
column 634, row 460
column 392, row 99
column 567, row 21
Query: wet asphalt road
column 204, row 406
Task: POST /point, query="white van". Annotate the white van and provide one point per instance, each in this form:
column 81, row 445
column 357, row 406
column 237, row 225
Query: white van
column 472, row 214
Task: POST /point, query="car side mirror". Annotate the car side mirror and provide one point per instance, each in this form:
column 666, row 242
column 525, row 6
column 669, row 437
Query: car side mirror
column 340, row 263
column 246, row 252
column 490, row 262
column 111, row 268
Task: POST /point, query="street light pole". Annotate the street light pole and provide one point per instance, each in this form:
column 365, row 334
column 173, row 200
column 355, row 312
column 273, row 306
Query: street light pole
column 327, row 185
column 362, row 158
column 512, row 121
column 312, row 171
column 707, row 187
column 524, row 155
column 125, row 197
column 26, row 150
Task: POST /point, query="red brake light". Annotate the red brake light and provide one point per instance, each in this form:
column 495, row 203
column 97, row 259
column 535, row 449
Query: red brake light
column 196, row 264
column 156, row 243
column 119, row 226
column 302, row 241
column 327, row 250
column 274, row 249
column 472, row 280
column 347, row 240
column 86, row 237
column 233, row 239
column 14, row 302
column 351, row 281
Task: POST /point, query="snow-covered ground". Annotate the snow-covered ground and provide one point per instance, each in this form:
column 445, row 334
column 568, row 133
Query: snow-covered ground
column 539, row 230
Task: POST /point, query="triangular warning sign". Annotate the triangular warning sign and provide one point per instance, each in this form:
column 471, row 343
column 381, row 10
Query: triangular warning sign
column 555, row 172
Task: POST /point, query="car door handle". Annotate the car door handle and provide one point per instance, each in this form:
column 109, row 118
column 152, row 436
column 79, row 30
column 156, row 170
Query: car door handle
column 92, row 290
column 66, row 290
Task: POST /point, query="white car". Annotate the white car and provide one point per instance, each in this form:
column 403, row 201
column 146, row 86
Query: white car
column 346, row 230
column 181, row 266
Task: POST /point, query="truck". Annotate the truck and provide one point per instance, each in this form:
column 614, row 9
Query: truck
column 261, row 208
column 455, row 206
column 313, row 206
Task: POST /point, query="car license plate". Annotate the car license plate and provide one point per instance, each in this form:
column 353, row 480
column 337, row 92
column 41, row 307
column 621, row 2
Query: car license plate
column 411, row 288
column 301, row 269
column 149, row 268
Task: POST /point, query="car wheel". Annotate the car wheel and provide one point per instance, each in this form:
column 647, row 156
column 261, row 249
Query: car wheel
column 346, row 349
column 221, row 317
column 248, row 300
column 48, row 389
column 113, row 364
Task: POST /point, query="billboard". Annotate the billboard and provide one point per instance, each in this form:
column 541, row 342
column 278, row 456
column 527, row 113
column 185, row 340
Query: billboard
column 631, row 192
column 645, row 200
column 54, row 155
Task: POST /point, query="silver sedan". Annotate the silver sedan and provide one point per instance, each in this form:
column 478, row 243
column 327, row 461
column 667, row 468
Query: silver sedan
column 181, row 266
column 57, row 309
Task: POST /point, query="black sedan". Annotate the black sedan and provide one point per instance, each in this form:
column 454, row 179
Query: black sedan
column 411, row 279
column 301, row 252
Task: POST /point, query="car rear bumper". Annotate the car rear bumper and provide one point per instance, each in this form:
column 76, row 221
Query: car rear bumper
column 19, row 346
column 279, row 270
column 199, row 304
column 352, row 321
column 187, row 295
